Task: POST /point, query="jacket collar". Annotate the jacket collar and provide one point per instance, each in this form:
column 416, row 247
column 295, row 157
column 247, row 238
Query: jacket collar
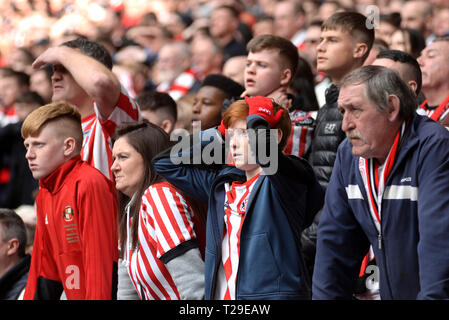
column 331, row 94
column 408, row 143
column 56, row 179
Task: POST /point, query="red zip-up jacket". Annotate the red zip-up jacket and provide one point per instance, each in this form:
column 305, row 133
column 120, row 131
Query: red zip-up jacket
column 75, row 247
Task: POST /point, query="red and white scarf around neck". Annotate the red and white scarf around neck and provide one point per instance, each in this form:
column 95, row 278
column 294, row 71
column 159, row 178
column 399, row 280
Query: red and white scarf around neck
column 375, row 177
column 435, row 114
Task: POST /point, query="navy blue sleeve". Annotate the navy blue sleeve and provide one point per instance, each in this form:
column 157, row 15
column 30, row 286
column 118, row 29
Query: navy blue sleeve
column 433, row 218
column 341, row 243
column 184, row 166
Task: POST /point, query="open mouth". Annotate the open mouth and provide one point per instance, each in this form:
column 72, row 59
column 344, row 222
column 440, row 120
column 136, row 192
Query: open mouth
column 250, row 82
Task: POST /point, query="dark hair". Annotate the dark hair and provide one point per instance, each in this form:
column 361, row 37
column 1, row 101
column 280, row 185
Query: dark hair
column 30, row 97
column 12, row 226
column 417, row 41
column 148, row 140
column 287, row 50
column 303, row 83
column 155, row 100
column 393, row 18
column 91, row 49
column 22, row 78
column 405, row 58
column 229, row 87
column 355, row 24
column 234, row 12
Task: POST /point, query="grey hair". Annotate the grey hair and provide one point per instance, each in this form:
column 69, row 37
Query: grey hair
column 380, row 83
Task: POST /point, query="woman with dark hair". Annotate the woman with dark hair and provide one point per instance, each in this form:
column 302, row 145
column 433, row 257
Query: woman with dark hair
column 408, row 40
column 303, row 105
column 302, row 88
column 157, row 225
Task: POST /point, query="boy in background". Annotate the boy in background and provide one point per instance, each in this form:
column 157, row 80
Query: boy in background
column 271, row 65
column 345, row 44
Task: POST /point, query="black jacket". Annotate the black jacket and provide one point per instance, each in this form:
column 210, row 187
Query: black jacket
column 13, row 282
column 327, row 138
column 21, row 186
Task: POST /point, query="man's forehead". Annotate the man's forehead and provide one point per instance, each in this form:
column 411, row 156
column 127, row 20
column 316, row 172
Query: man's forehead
column 388, row 63
column 335, row 32
column 262, row 53
column 437, row 46
column 351, row 93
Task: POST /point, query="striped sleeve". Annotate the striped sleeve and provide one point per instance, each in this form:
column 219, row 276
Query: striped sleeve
column 170, row 215
column 97, row 133
column 301, row 136
column 126, row 110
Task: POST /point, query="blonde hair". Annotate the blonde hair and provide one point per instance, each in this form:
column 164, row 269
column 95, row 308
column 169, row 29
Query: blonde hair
column 63, row 113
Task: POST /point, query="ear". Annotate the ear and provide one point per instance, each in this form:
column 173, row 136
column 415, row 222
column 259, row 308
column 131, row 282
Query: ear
column 13, row 247
column 167, row 126
column 393, row 111
column 69, row 147
column 360, row 50
column 286, row 77
column 280, row 134
column 413, row 85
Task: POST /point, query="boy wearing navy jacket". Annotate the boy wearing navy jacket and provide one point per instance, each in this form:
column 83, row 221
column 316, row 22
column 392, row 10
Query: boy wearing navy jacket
column 257, row 207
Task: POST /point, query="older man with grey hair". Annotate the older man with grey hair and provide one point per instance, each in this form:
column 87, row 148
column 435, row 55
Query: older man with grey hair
column 389, row 190
column 172, row 73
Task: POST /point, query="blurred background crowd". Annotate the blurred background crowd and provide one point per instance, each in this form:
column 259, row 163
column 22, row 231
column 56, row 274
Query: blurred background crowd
column 154, row 42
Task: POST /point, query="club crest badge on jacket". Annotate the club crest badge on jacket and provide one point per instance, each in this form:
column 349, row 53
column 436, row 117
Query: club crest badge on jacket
column 67, row 214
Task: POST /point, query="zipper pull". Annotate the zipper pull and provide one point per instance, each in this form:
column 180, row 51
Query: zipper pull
column 379, row 241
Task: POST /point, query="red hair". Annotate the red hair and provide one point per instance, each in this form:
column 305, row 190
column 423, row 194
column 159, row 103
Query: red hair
column 239, row 110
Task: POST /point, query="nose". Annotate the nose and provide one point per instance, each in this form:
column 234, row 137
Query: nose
column 56, row 76
column 233, row 141
column 347, row 124
column 420, row 60
column 196, row 108
column 320, row 47
column 114, row 166
column 250, row 68
column 30, row 154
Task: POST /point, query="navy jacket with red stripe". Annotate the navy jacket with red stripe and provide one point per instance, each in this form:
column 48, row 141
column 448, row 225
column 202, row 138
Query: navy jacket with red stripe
column 411, row 250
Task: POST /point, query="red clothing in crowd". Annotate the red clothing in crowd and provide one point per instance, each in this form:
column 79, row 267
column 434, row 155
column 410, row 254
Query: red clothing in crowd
column 75, row 246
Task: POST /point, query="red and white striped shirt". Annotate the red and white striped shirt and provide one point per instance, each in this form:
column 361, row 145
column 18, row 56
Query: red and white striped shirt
column 165, row 221
column 97, row 133
column 303, row 127
column 236, row 202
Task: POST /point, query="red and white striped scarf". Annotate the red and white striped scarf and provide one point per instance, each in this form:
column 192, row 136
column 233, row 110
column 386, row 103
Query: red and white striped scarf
column 436, row 114
column 180, row 86
column 237, row 196
column 375, row 177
